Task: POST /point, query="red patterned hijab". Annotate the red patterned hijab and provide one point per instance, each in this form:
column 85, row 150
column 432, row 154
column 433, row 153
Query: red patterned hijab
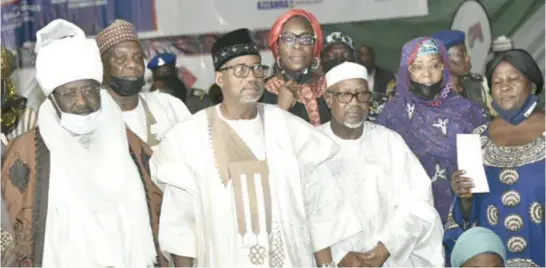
column 309, row 92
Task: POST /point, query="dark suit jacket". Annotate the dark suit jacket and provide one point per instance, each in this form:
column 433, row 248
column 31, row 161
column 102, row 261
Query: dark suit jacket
column 382, row 78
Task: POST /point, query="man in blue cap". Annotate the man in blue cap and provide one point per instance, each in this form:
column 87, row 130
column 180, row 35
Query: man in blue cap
column 470, row 85
column 165, row 76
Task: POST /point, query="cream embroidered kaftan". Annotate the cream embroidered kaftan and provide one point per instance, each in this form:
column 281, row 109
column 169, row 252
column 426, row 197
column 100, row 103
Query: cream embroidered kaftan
column 390, row 192
column 199, row 214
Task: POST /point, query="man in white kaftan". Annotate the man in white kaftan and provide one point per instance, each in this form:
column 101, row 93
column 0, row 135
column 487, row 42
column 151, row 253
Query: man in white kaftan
column 246, row 186
column 383, row 181
column 148, row 114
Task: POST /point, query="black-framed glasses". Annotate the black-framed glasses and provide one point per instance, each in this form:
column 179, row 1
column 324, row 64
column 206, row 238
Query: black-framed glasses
column 346, row 97
column 242, row 70
column 304, row 39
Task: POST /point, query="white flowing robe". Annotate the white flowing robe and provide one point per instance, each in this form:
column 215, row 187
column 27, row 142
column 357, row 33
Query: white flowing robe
column 166, row 110
column 390, row 192
column 197, row 219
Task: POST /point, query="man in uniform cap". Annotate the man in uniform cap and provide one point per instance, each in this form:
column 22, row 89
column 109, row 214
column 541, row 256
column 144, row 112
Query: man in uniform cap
column 382, row 180
column 338, row 46
column 77, row 187
column 245, row 184
column 165, row 76
column 470, row 85
column 149, row 115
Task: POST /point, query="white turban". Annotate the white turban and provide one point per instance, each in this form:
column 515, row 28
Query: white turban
column 65, row 55
column 345, row 71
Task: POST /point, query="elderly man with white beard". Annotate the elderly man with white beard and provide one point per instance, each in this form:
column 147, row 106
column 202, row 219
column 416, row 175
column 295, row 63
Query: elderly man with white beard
column 382, row 180
column 77, row 187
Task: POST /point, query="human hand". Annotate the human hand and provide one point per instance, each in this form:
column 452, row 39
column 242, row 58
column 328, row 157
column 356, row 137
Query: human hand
column 460, row 185
column 288, row 94
column 375, row 257
column 351, row 259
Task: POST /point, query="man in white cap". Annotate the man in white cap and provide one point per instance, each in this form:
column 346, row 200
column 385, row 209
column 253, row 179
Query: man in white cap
column 382, row 180
column 77, row 187
column 245, row 184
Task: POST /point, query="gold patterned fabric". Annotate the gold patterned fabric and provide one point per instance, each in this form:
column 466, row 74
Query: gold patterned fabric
column 12, row 104
column 8, row 244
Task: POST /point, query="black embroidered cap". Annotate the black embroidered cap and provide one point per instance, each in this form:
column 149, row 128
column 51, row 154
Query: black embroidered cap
column 232, row 45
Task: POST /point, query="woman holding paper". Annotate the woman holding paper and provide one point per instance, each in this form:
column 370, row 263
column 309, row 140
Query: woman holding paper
column 428, row 114
column 513, row 147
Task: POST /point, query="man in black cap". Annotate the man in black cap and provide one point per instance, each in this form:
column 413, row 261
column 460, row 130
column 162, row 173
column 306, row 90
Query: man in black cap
column 338, row 47
column 244, row 181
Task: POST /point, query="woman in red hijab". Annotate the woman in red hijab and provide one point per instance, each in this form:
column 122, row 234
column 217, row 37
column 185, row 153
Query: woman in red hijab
column 296, row 41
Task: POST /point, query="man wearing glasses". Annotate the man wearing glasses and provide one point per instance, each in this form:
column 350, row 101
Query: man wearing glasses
column 390, row 192
column 244, row 183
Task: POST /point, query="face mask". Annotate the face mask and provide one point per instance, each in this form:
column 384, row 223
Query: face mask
column 126, row 87
column 79, row 124
column 515, row 117
column 426, row 92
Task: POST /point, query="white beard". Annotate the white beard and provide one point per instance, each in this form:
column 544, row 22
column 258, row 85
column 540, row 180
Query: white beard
column 353, row 125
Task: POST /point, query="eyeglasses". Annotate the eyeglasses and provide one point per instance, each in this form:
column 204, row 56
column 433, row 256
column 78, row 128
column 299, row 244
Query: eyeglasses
column 242, row 70
column 304, row 39
column 420, row 68
column 346, row 97
column 84, row 91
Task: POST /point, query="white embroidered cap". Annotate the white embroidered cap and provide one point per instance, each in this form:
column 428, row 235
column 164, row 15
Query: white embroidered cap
column 344, row 71
column 65, row 55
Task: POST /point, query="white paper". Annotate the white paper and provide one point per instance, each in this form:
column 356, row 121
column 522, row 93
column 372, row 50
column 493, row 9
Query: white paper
column 469, row 159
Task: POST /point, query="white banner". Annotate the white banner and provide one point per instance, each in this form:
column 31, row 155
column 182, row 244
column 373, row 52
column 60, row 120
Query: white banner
column 182, row 17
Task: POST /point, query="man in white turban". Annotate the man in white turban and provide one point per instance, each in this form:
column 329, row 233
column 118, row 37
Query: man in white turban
column 77, row 187
column 382, row 180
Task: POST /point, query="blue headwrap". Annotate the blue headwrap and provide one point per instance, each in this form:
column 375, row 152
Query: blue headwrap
column 475, row 241
column 450, row 37
column 428, row 47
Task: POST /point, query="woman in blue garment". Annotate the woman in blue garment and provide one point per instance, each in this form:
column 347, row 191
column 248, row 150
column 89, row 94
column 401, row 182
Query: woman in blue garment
column 428, row 114
column 513, row 152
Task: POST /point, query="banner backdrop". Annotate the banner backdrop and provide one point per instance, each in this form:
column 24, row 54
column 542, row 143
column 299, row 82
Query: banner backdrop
column 209, row 16
column 187, row 28
column 22, row 18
